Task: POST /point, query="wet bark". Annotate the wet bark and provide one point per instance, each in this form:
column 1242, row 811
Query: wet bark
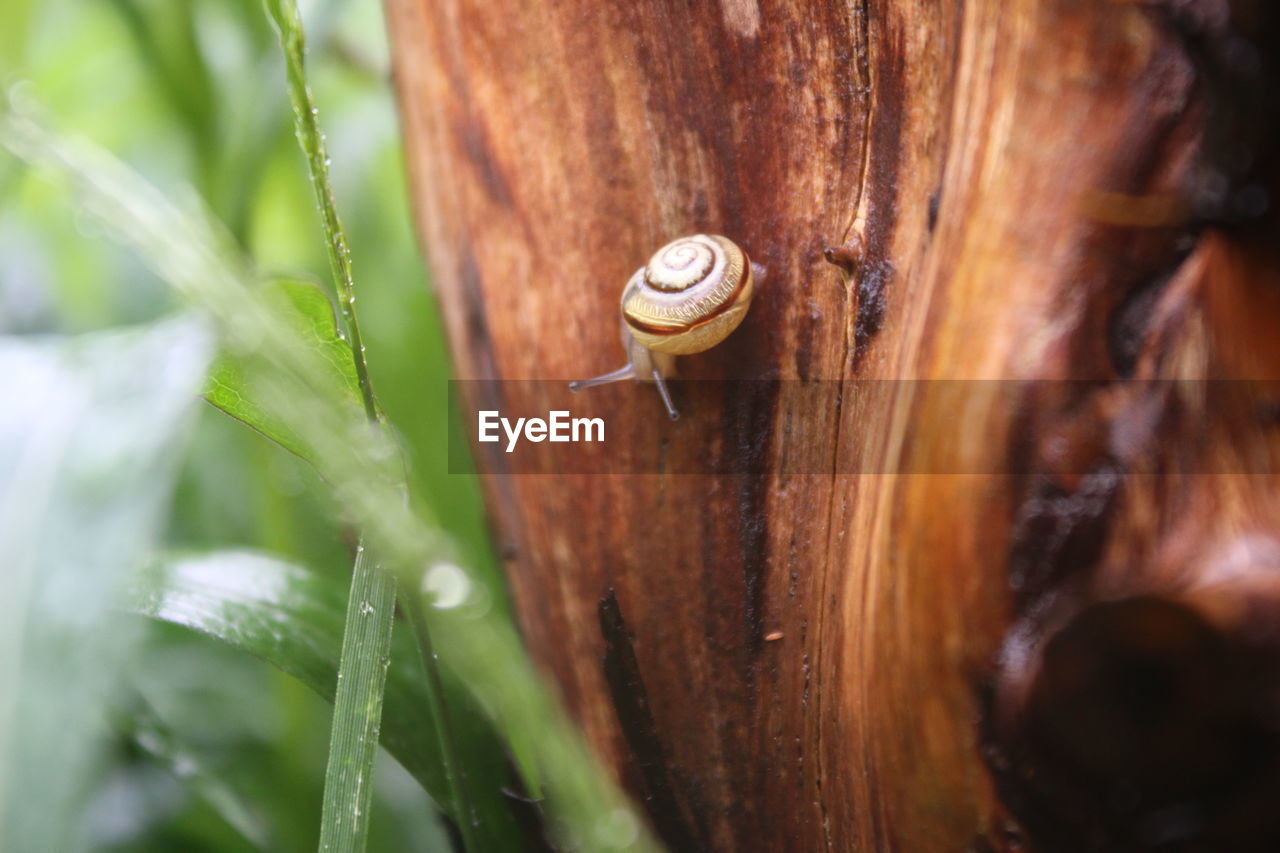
column 1020, row 596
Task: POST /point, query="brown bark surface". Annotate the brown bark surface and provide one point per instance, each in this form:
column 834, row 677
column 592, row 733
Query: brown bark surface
column 1021, row 190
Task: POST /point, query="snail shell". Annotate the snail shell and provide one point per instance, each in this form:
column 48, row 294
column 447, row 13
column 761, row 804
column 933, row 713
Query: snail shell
column 693, row 292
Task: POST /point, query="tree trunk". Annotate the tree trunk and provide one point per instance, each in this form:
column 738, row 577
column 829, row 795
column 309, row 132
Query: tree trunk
column 1016, row 596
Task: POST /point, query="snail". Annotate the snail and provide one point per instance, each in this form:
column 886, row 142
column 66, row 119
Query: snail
column 693, row 292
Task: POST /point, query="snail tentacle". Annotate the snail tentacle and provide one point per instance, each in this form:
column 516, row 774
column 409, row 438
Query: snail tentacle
column 665, row 395
column 627, row 371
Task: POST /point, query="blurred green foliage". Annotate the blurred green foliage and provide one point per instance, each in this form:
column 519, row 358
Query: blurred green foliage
column 190, row 93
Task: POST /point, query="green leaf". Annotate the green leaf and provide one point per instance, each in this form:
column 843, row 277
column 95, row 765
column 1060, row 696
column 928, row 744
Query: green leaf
column 90, row 430
column 293, row 619
column 308, row 312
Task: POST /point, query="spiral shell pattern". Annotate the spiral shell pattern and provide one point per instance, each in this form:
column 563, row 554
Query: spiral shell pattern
column 693, row 292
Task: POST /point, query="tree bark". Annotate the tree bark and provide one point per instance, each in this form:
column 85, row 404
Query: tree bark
column 910, row 642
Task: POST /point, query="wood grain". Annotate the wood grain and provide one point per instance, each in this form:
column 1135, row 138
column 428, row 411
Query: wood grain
column 1032, row 196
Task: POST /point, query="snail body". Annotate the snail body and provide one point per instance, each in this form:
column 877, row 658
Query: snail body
column 690, row 296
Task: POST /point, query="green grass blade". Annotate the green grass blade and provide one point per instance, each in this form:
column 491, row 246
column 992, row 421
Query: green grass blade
column 357, row 707
column 293, row 619
column 288, row 23
column 284, row 14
